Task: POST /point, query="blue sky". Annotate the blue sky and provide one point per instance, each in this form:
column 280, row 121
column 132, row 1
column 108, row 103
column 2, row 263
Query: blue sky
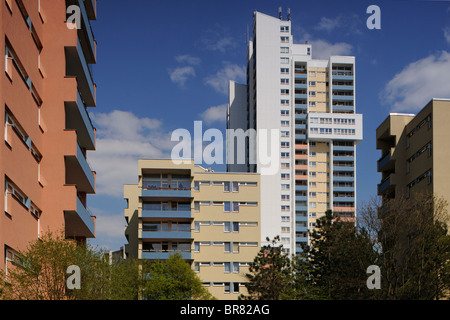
column 164, row 64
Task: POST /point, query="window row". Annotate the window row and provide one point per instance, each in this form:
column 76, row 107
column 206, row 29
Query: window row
column 228, row 186
column 229, row 247
column 228, row 226
column 10, row 121
column 20, row 196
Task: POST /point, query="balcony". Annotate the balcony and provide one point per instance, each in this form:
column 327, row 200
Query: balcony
column 301, row 188
column 79, row 223
column 343, row 148
column 301, row 217
column 79, row 173
column 301, row 116
column 343, row 97
column 343, row 189
column 164, row 255
column 91, row 9
column 166, row 235
column 181, row 192
column 85, row 34
column 342, row 75
column 340, row 108
column 301, row 198
column 300, row 126
column 301, row 240
column 301, row 96
column 300, row 137
column 77, row 118
column 301, row 208
column 299, row 75
column 172, row 214
column 344, row 178
column 343, row 87
column 343, row 168
column 301, row 228
column 343, row 199
column 301, row 106
column 300, row 86
column 386, row 162
column 385, row 186
column 77, row 66
column 343, row 158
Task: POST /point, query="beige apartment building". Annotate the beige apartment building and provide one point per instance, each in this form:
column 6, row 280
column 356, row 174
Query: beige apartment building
column 415, row 151
column 212, row 219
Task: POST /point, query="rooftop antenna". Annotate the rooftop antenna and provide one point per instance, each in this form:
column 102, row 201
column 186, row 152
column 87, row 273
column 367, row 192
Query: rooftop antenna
column 279, row 12
column 289, row 14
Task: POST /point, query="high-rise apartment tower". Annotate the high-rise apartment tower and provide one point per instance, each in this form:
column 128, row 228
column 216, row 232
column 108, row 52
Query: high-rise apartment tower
column 310, row 105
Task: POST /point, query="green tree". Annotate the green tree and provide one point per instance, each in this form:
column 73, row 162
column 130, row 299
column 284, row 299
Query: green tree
column 270, row 275
column 338, row 256
column 414, row 245
column 172, row 279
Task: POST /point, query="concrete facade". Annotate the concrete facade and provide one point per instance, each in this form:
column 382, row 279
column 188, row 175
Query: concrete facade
column 415, row 149
column 212, row 219
column 46, row 87
column 310, row 105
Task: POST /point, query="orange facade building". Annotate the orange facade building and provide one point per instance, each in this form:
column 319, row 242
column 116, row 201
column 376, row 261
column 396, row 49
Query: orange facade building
column 46, row 87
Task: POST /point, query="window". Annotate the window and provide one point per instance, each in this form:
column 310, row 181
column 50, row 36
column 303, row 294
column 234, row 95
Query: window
column 285, row 134
column 285, row 176
column 284, row 102
column 196, row 206
column 235, row 206
column 285, row 208
column 284, row 50
column 226, row 186
column 284, row 39
column 284, row 29
column 285, row 197
column 196, row 185
column 284, row 60
column 226, row 206
column 284, row 144
column 285, row 123
column 284, row 91
column 312, row 93
column 235, row 186
column 285, row 187
column 285, row 155
column 312, row 104
column 284, row 70
column 227, row 247
column 284, row 112
column 312, row 83
column 285, row 165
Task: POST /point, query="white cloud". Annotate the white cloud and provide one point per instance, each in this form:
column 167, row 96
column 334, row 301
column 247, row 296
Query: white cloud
column 322, row 49
column 180, row 75
column 328, row 24
column 186, row 58
column 447, row 34
column 109, row 227
column 215, row 114
column 219, row 44
column 122, row 139
column 220, row 80
column 413, row 87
